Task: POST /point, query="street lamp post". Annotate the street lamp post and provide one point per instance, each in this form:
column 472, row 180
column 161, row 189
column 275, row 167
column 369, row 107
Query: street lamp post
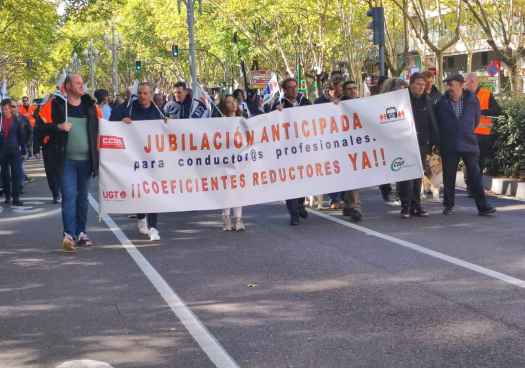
column 75, row 63
column 243, row 66
column 190, row 19
column 113, row 42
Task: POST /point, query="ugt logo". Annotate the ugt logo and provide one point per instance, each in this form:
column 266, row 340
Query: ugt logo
column 114, row 195
column 391, row 114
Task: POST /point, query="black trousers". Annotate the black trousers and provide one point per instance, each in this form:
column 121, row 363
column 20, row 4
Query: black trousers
column 386, row 190
column 152, row 219
column 36, row 144
column 10, row 166
column 294, row 206
column 410, row 193
column 450, row 167
column 410, row 190
column 485, row 142
column 52, row 176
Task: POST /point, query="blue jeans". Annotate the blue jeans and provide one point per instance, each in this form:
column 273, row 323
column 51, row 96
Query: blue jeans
column 21, row 172
column 74, row 182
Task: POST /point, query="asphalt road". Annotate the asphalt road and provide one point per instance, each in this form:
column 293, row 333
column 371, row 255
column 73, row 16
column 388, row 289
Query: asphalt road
column 433, row 292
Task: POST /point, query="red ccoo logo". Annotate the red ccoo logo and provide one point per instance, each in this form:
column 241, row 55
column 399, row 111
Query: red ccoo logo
column 111, row 142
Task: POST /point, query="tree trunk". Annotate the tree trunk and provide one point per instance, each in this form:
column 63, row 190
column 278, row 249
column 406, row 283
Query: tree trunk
column 516, row 80
column 439, row 70
column 469, row 61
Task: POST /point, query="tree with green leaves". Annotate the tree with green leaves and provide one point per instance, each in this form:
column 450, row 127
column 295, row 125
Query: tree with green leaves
column 503, row 24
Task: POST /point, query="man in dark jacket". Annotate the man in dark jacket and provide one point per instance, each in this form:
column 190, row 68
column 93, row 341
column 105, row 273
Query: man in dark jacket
column 292, row 99
column 430, row 88
column 184, row 106
column 457, row 114
column 11, row 141
column 144, row 109
column 74, row 130
column 427, row 136
column 351, row 198
column 334, row 93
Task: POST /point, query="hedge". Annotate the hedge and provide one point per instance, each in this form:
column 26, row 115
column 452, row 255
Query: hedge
column 509, row 148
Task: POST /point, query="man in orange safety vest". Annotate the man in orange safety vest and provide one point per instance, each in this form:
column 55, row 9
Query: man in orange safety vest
column 489, row 109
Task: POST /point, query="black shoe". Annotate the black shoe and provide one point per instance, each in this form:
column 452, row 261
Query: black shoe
column 56, row 199
column 355, row 215
column 487, row 211
column 18, row 203
column 419, row 212
column 303, row 212
column 294, row 221
column 7, row 200
column 448, row 211
column 405, row 213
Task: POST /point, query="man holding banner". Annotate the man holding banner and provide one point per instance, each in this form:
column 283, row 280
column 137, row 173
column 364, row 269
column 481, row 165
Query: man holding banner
column 144, row 109
column 292, row 98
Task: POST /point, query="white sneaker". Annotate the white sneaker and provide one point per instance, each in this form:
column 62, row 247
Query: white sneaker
column 142, row 225
column 154, row 234
column 227, row 223
column 239, row 225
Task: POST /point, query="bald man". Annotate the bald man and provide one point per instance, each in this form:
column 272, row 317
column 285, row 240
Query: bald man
column 489, row 109
column 73, row 128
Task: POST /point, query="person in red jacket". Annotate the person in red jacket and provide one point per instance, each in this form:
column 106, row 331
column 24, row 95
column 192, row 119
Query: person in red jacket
column 11, row 139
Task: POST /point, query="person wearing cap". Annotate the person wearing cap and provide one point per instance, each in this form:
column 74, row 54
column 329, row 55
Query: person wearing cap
column 457, row 114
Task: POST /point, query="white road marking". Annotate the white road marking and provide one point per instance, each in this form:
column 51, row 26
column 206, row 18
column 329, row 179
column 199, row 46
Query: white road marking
column 418, row 248
column 197, row 330
column 84, row 363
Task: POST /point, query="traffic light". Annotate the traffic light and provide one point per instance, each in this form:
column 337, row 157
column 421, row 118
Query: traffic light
column 175, row 50
column 377, row 25
column 138, row 66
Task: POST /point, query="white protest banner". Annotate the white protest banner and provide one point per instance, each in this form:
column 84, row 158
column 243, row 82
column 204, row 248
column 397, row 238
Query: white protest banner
column 204, row 164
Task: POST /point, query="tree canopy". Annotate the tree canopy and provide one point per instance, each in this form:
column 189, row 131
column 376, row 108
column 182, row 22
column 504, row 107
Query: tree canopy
column 39, row 41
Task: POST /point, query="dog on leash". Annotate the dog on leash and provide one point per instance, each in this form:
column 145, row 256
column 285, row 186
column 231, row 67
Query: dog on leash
column 433, row 178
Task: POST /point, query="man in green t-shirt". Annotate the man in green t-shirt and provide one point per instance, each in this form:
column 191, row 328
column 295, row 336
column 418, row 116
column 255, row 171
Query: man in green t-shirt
column 74, row 126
